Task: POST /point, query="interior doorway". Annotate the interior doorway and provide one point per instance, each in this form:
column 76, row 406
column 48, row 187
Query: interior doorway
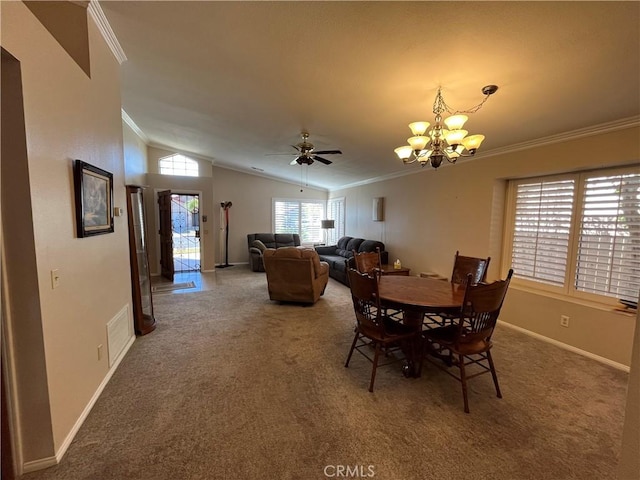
column 182, row 252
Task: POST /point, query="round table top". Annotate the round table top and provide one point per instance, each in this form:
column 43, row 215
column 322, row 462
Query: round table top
column 428, row 294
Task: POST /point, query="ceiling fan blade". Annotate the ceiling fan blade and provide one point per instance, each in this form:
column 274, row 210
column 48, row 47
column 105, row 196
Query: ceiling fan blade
column 328, row 152
column 296, row 161
column 322, row 160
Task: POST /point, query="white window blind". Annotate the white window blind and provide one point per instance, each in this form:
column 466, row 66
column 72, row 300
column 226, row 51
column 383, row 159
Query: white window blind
column 543, row 211
column 335, row 211
column 299, row 216
column 609, row 242
column 178, row 165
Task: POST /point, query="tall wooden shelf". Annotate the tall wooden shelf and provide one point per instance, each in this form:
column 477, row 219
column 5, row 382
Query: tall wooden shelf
column 143, row 318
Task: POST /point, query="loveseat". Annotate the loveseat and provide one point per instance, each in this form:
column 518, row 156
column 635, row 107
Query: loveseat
column 259, row 242
column 337, row 256
column 295, row 274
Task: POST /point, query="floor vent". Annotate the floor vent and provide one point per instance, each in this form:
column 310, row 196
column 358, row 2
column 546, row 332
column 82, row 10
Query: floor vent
column 119, row 331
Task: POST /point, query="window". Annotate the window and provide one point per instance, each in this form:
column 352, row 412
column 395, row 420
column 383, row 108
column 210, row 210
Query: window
column 578, row 234
column 299, row 216
column 178, row 165
column 335, row 211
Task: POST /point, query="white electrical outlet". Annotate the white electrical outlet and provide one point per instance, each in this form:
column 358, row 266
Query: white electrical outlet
column 564, row 320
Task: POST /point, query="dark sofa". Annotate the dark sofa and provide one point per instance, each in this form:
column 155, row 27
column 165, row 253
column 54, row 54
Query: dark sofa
column 268, row 240
column 337, row 256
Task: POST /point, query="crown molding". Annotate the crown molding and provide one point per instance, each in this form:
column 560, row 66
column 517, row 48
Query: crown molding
column 129, row 121
column 602, row 128
column 98, row 16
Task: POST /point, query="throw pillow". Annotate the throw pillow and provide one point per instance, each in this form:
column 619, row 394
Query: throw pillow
column 259, row 245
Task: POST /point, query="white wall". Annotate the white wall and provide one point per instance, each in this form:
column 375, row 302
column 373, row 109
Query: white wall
column 68, row 116
column 430, row 215
column 251, row 212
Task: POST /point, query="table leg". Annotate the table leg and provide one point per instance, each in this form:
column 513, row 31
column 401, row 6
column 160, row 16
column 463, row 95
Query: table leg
column 413, row 319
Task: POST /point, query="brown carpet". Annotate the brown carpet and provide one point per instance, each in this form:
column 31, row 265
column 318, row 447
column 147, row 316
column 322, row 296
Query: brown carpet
column 233, row 386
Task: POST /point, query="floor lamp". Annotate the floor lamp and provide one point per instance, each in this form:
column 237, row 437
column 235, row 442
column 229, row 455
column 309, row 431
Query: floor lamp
column 225, row 206
column 326, row 225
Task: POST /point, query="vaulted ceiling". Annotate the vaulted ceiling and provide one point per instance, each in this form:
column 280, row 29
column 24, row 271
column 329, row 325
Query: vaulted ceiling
column 234, row 81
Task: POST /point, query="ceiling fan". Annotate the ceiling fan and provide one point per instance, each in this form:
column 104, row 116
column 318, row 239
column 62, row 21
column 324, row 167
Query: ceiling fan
column 306, row 154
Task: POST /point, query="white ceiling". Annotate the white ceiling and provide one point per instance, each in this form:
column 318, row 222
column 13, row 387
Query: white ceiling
column 233, row 81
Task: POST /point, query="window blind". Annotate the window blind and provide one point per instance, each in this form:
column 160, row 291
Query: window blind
column 541, row 230
column 609, row 243
column 335, row 211
column 301, row 217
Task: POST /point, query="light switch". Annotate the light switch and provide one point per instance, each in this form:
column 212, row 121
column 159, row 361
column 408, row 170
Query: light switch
column 55, row 279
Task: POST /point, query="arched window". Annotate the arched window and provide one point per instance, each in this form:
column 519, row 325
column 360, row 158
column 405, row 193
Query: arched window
column 178, row 165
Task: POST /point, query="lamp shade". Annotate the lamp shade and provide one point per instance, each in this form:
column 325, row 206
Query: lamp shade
column 473, row 142
column 455, row 122
column 328, row 223
column 404, row 152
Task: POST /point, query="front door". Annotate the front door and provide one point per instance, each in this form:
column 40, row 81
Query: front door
column 166, row 235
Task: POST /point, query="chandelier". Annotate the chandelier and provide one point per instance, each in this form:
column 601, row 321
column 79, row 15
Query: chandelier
column 435, row 145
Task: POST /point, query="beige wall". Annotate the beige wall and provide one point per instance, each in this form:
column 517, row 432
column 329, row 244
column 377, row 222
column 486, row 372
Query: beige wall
column 251, row 212
column 69, row 116
column 433, row 213
column 135, row 157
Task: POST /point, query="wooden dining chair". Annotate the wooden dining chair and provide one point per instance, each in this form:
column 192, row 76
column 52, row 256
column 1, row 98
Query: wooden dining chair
column 467, row 342
column 368, row 262
column 463, row 266
column 373, row 328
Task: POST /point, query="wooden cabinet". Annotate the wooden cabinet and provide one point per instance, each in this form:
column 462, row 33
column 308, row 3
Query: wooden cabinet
column 143, row 319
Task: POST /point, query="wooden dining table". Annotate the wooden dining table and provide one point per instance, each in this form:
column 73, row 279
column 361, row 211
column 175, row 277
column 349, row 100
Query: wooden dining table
column 415, row 296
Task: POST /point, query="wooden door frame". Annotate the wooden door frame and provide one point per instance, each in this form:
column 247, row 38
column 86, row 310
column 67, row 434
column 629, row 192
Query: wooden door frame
column 156, row 234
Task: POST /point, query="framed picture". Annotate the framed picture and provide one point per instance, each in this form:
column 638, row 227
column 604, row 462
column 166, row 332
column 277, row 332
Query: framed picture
column 94, row 199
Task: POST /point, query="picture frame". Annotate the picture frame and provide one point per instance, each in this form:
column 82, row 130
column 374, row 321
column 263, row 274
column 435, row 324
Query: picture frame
column 94, row 199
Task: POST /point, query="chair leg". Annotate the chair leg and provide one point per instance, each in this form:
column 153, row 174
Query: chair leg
column 375, row 366
column 493, row 374
column 463, row 380
column 353, row 346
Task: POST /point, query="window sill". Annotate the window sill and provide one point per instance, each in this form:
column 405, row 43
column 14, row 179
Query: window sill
column 605, row 307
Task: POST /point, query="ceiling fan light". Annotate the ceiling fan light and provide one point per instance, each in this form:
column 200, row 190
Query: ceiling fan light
column 404, row 152
column 418, row 128
column 418, row 142
column 472, row 143
column 454, row 137
column 455, row 122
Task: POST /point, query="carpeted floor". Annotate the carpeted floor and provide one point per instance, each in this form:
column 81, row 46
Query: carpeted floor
column 233, row 386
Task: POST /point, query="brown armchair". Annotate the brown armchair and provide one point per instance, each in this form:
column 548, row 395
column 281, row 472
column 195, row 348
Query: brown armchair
column 295, row 274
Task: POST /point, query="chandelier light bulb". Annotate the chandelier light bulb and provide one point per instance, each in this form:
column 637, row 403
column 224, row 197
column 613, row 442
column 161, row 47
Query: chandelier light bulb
column 472, row 143
column 454, row 137
column 404, row 152
column 418, row 128
column 455, row 122
column 418, row 142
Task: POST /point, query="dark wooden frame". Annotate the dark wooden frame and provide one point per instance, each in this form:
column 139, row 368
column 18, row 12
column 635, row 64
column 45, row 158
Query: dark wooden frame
column 88, row 181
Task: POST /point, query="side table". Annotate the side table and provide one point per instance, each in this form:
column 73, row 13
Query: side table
column 387, row 269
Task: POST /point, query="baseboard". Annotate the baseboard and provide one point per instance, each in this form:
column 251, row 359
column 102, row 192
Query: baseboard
column 565, row 346
column 51, row 461
column 39, row 464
